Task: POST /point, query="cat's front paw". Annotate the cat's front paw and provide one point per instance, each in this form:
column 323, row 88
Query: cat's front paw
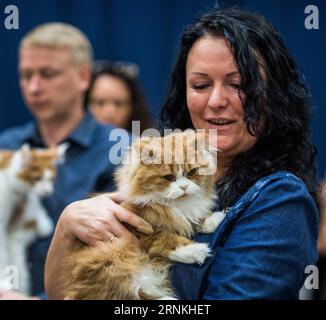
column 212, row 222
column 191, row 253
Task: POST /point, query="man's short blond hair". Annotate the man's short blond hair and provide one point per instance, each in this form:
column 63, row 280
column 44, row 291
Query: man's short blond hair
column 60, row 35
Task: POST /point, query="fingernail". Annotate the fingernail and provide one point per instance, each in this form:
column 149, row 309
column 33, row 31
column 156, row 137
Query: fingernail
column 145, row 228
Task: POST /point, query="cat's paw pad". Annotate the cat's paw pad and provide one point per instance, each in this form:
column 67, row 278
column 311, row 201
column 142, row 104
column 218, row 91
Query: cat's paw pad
column 212, row 222
column 191, row 253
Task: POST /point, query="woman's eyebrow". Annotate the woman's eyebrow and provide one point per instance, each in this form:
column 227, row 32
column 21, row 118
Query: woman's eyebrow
column 199, row 73
column 232, row 73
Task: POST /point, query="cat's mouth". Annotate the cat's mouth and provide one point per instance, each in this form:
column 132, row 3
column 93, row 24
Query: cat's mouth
column 181, row 196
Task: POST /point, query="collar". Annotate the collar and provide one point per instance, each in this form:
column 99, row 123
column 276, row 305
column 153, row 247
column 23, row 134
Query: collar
column 82, row 135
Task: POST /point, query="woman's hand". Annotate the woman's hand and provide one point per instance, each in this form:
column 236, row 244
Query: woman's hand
column 91, row 221
column 99, row 219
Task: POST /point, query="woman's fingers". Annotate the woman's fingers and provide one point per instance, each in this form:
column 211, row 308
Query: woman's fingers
column 122, row 232
column 92, row 236
column 131, row 218
column 115, row 196
column 99, row 219
column 124, row 215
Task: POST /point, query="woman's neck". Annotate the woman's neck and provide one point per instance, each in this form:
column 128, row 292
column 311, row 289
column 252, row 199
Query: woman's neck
column 222, row 167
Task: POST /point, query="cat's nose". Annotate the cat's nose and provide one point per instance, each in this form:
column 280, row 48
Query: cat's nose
column 183, row 186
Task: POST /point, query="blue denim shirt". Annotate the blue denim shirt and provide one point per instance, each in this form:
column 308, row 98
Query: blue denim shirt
column 86, row 169
column 261, row 248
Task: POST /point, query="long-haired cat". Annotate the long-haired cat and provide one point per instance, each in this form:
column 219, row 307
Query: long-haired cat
column 26, row 175
column 171, row 188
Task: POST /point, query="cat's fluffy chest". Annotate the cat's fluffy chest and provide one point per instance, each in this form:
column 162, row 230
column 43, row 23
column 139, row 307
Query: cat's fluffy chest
column 12, row 192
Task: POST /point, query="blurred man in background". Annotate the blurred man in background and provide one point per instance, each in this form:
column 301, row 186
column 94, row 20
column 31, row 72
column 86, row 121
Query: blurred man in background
column 54, row 71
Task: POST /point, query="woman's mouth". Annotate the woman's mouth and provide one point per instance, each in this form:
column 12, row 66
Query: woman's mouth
column 221, row 122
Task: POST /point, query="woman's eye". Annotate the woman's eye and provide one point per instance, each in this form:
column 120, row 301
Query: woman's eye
column 121, row 103
column 236, row 86
column 169, row 177
column 200, row 86
column 192, row 172
column 99, row 103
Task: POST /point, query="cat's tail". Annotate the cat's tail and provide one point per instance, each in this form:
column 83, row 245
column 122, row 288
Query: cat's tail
column 117, row 270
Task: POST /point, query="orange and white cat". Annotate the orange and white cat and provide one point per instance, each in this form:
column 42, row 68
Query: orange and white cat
column 176, row 197
column 26, row 175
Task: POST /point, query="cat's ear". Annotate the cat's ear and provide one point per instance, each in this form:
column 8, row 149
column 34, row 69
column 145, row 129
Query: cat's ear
column 146, row 150
column 61, row 150
column 151, row 150
column 25, row 147
column 207, row 159
column 25, row 153
column 21, row 158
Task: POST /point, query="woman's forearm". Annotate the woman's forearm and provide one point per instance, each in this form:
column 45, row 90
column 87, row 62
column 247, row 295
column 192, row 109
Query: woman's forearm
column 60, row 248
column 80, row 220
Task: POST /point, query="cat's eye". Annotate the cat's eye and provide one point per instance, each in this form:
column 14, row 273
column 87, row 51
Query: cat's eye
column 169, row 177
column 192, row 172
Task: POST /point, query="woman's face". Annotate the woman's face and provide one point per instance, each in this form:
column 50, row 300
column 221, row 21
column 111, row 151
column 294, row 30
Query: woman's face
column 110, row 101
column 213, row 97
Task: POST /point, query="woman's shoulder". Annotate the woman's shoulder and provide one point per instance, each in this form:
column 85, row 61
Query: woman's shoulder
column 278, row 185
column 278, row 197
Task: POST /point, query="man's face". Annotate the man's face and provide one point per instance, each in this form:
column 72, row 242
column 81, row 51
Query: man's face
column 52, row 86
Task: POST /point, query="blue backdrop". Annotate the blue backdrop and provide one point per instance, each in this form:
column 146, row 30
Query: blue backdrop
column 147, row 32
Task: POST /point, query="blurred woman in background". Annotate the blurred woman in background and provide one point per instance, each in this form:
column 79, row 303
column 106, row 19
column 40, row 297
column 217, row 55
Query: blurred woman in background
column 115, row 96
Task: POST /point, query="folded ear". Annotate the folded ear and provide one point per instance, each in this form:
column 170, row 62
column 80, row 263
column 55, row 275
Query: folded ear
column 146, row 150
column 208, row 161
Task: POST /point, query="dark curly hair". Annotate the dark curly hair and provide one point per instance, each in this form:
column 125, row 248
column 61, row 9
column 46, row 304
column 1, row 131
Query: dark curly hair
column 276, row 102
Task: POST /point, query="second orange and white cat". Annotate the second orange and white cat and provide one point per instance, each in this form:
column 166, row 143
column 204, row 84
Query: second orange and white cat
column 26, row 175
column 176, row 198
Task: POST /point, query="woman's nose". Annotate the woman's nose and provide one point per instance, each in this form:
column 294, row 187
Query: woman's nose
column 218, row 98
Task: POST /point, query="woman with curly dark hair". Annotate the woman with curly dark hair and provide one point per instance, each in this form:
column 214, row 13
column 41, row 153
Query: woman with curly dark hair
column 275, row 101
column 235, row 76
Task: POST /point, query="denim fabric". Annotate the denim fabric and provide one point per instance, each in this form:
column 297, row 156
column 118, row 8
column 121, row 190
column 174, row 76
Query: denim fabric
column 86, row 169
column 261, row 248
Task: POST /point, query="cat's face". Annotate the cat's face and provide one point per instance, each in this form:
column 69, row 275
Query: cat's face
column 170, row 168
column 39, row 170
column 168, row 182
column 36, row 168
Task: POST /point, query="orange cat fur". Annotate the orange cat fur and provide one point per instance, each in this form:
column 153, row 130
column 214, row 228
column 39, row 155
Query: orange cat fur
column 175, row 199
column 25, row 176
